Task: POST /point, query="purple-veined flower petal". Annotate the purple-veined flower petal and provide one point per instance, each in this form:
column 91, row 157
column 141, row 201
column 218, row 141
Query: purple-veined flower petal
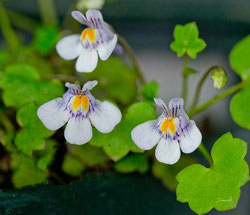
column 176, row 107
column 145, row 135
column 191, row 139
column 106, row 49
column 77, row 15
column 89, row 85
column 105, row 116
column 168, row 151
column 87, row 61
column 78, row 131
column 52, row 115
column 69, row 47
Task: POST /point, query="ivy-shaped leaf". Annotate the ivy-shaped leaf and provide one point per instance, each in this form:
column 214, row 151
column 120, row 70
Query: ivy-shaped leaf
column 187, row 40
column 218, row 186
column 240, row 58
column 25, row 171
column 45, row 39
column 133, row 163
column 240, row 108
column 72, row 166
column 118, row 143
column 150, row 90
column 31, row 136
column 167, row 173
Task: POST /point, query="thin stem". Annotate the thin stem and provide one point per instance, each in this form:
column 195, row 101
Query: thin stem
column 132, row 58
column 199, row 86
column 206, row 154
column 185, row 78
column 8, row 33
column 222, row 95
column 48, row 12
column 21, row 21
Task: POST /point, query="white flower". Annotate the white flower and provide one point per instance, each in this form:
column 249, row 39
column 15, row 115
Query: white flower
column 96, row 39
column 172, row 131
column 78, row 107
column 90, row 4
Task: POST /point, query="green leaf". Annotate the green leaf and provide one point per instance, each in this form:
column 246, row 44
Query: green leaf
column 72, row 166
column 240, row 108
column 167, row 173
column 45, row 39
column 32, row 136
column 4, row 56
column 47, row 91
column 118, row 143
column 219, row 186
column 133, row 163
column 88, row 155
column 19, row 84
column 25, row 171
column 150, row 90
column 191, row 71
column 116, row 79
column 46, row 156
column 240, row 58
column 187, row 40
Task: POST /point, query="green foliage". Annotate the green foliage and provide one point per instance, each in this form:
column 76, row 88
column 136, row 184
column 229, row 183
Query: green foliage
column 150, row 90
column 88, row 155
column 25, row 171
column 116, row 79
column 72, row 166
column 21, row 85
column 31, row 136
column 240, row 58
column 133, row 163
column 45, row 39
column 4, row 56
column 46, row 156
column 190, row 71
column 81, row 157
column 118, row 143
column 187, row 40
column 240, row 108
column 167, row 173
column 218, row 186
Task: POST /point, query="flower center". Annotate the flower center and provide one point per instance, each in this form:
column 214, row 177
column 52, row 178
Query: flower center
column 81, row 101
column 90, row 33
column 168, row 124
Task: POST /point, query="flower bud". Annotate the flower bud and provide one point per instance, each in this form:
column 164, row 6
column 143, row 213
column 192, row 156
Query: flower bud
column 219, row 77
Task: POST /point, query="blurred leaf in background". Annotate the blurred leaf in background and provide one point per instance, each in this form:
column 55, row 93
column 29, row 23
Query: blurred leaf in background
column 150, row 90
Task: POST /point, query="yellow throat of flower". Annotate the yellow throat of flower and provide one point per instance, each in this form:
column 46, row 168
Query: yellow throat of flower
column 168, row 124
column 90, row 33
column 81, row 100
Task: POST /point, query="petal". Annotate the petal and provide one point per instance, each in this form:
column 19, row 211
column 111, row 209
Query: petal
column 96, row 19
column 106, row 49
column 176, row 107
column 145, row 135
column 105, row 116
column 168, row 151
column 78, row 131
column 190, row 139
column 89, row 85
column 52, row 115
column 77, row 15
column 162, row 104
column 87, row 61
column 69, row 47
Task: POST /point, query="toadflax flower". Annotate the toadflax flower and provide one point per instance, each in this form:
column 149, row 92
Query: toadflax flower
column 96, row 39
column 78, row 107
column 172, row 131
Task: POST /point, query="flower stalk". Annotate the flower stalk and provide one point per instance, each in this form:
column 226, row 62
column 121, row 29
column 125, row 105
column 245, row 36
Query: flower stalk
column 205, row 154
column 7, row 31
column 132, row 58
column 48, row 12
column 185, row 78
column 217, row 98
